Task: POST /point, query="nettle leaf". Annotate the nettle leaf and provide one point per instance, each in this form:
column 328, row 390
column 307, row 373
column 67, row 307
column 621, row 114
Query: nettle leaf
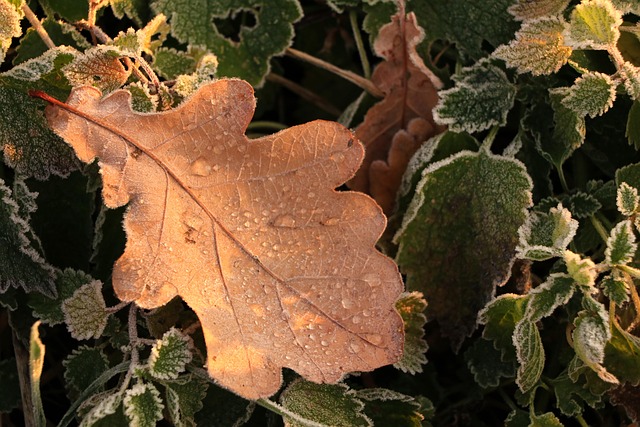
column 100, row 67
column 136, row 42
column 170, row 355
column 545, row 298
column 545, row 420
column 141, row 99
column 486, row 364
column 82, row 367
column 170, row 63
column 627, row 199
column 500, row 318
column 324, row 404
column 616, row 288
column 10, row 18
column 568, row 132
column 49, row 310
column 481, row 99
column 622, row 355
column 411, row 306
column 21, row 264
column 136, row 10
column 69, row 10
column 594, row 24
column 184, row 400
column 390, row 408
column 571, row 395
column 85, row 312
column 629, row 174
column 63, row 34
column 107, row 406
column 538, row 48
column 10, row 397
column 186, row 85
column 546, row 235
column 526, row 10
column 247, row 54
column 633, row 125
column 458, row 218
column 582, row 270
column 142, row 405
column 630, row 75
column 592, row 94
column 530, row 354
column 590, row 336
column 621, row 244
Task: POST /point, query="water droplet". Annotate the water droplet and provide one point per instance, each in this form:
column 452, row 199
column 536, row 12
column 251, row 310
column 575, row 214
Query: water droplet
column 347, row 303
column 330, row 221
column 366, row 312
column 372, row 279
column 356, row 319
column 374, row 339
column 355, row 347
column 247, row 224
column 200, row 167
column 324, row 343
column 286, row 221
column 311, row 194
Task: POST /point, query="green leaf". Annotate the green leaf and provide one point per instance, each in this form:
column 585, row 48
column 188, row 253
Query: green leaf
column 236, row 411
column 592, row 94
column 621, row 244
column 630, row 75
column 582, row 270
column 500, row 318
column 142, row 405
column 595, row 25
column 486, row 364
column 141, row 99
column 21, row 265
column 170, row 355
column 170, row 63
column 482, row 98
column 466, row 212
column 136, row 10
column 82, row 367
column 530, row 354
column 622, row 355
column 545, row 298
column 538, row 48
column 571, row 396
column 546, row 235
column 526, row 10
column 184, row 400
column 545, row 420
column 136, row 42
column 69, row 10
column 205, row 72
column 63, row 34
column 247, row 58
column 36, row 362
column 325, row 404
column 108, row 405
column 100, row 67
column 49, row 310
column 517, row 418
column 569, row 130
column 10, row 397
column 627, row 199
column 633, row 125
column 85, row 312
column 616, row 288
column 389, row 408
column 9, row 26
column 411, row 306
column 629, row 174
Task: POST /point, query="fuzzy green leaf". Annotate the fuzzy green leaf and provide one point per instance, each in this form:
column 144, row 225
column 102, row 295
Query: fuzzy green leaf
column 568, row 132
column 142, row 405
column 482, row 97
column 466, row 211
column 205, row 71
column 21, row 264
column 545, row 420
column 594, row 24
column 82, row 367
column 36, row 362
column 170, row 63
column 629, row 174
column 621, row 244
column 141, row 99
column 136, row 42
column 49, row 310
column 63, row 34
column 526, row 10
column 193, row 23
column 136, row 10
column 526, row 339
column 500, row 318
column 631, row 77
column 486, row 364
column 545, row 298
column 545, row 235
column 100, row 67
column 184, row 400
column 9, row 26
column 10, row 397
column 538, row 48
column 592, row 94
column 633, row 125
column 325, row 404
column 616, row 289
column 85, row 312
column 389, row 408
column 571, row 395
column 582, row 270
column 622, row 355
column 69, row 10
column 170, row 355
column 627, row 199
column 411, row 306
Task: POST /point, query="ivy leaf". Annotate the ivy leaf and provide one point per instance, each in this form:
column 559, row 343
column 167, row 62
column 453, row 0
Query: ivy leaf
column 389, row 408
column 526, row 10
column 545, row 298
column 10, row 397
column 49, row 310
column 622, row 355
column 500, row 318
column 594, row 24
column 592, row 94
column 437, row 232
column 9, row 26
column 627, row 199
column 411, row 306
column 486, row 364
column 545, row 420
column 530, row 354
column 142, row 405
column 85, row 312
column 184, row 400
column 36, row 362
column 82, row 367
column 621, row 244
column 615, row 288
column 546, row 235
column 247, row 58
column 538, row 48
column 325, row 404
column 170, row 355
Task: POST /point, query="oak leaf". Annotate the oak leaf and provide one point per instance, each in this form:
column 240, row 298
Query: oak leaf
column 396, row 127
column 280, row 268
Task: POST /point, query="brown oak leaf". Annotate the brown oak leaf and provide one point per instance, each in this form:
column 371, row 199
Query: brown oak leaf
column 280, row 268
column 394, row 128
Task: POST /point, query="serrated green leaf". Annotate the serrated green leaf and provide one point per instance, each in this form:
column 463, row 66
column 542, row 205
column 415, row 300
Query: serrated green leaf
column 592, row 94
column 136, row 10
column 62, row 34
column 517, row 418
column 538, row 48
column 21, row 265
column 525, row 10
column 141, row 99
column 622, row 355
column 545, row 298
column 629, row 174
column 142, row 405
column 545, row 235
column 184, row 400
column 500, row 318
column 582, row 270
column 467, row 220
column 411, row 306
column 482, row 98
column 107, row 406
column 69, row 10
column 630, row 75
column 49, row 310
column 29, row 146
column 389, row 408
column 326, row 404
column 100, row 67
column 136, row 42
column 545, row 420
column 571, row 396
column 485, row 363
column 248, row 58
column 615, row 288
column 621, row 244
column 82, row 367
column 633, row 125
column 9, row 26
column 85, row 312
column 170, row 63
column 594, row 24
column 170, row 355
column 186, row 85
column 236, row 411
column 10, row 396
column 36, row 362
column 530, row 354
column 581, row 205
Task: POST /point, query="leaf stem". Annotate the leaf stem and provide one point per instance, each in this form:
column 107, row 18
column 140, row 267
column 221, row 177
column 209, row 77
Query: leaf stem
column 602, row 232
column 507, row 399
column 581, row 420
column 636, row 304
column 117, row 307
column 37, row 25
column 354, row 78
column 488, row 140
column 357, row 36
column 304, row 93
column 563, row 179
column 265, row 124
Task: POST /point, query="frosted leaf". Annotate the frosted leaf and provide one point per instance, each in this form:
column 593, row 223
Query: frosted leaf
column 530, row 353
column 105, row 407
column 170, row 63
column 411, row 306
column 82, row 367
column 583, row 271
column 142, row 405
column 545, row 420
column 630, row 75
column 135, row 43
column 545, row 235
column 9, row 26
column 539, row 47
column 100, row 67
column 170, row 355
column 592, row 94
column 594, row 24
column 621, row 244
column 49, row 310
column 36, row 68
column 616, row 287
column 85, row 312
column 545, row 298
column 141, row 99
column 184, row 398
column 205, row 71
column 524, row 10
column 387, row 407
column 627, row 199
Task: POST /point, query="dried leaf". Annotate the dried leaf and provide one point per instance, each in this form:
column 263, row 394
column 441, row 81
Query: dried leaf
column 281, row 269
column 395, row 127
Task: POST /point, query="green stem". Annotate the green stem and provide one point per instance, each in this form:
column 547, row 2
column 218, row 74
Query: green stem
column 366, row 67
column 488, row 140
column 581, row 420
column 507, row 400
column 602, row 232
column 563, row 180
column 264, row 124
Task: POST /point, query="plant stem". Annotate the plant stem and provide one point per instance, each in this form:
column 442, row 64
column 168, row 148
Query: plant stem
column 488, row 140
column 37, row 25
column 304, row 93
column 117, row 307
column 563, row 180
column 265, row 124
column 357, row 80
column 602, row 232
column 357, row 36
column 581, row 420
